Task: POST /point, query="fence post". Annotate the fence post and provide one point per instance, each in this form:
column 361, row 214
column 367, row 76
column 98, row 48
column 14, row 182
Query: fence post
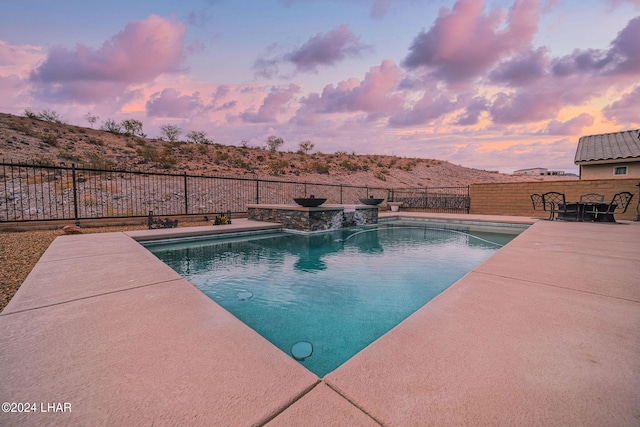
column 186, row 202
column 468, row 198
column 75, row 194
column 340, row 193
column 257, row 190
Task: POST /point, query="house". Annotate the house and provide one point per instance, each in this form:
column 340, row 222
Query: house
column 609, row 155
column 537, row 172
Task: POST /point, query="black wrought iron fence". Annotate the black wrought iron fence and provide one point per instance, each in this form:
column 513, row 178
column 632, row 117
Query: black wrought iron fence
column 43, row 193
column 440, row 199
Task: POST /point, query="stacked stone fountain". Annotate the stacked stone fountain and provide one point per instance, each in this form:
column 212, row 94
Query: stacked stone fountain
column 315, row 216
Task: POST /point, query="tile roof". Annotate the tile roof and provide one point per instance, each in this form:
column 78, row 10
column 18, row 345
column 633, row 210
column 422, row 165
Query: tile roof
column 609, row 146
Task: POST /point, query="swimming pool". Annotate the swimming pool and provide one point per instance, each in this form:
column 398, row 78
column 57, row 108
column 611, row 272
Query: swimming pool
column 323, row 297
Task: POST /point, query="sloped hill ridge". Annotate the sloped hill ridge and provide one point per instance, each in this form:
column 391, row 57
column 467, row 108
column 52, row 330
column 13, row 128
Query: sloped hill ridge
column 24, row 139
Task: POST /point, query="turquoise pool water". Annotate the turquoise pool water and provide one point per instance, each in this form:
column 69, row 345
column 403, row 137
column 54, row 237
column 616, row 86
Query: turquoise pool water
column 321, row 298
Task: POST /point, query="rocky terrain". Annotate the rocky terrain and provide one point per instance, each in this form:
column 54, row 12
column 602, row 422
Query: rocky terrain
column 50, row 142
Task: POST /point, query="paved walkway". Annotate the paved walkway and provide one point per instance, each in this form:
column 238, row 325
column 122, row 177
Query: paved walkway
column 545, row 332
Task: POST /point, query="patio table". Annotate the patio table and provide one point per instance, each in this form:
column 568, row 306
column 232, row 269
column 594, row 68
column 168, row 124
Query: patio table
column 598, row 212
column 603, row 213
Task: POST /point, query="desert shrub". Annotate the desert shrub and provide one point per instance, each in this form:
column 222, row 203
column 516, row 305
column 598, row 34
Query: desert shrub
column 43, row 161
column 203, row 149
column 98, row 161
column 22, row 128
column 69, row 154
column 111, row 126
column 305, row 147
column 277, row 167
column 318, row 167
column 170, row 132
column 198, row 138
column 350, row 166
column 238, row 162
column 273, row 143
column 132, row 127
column 167, row 161
column 187, row 150
column 408, row 166
column 221, row 156
column 148, row 153
column 95, row 141
column 381, row 174
column 50, row 140
column 44, row 115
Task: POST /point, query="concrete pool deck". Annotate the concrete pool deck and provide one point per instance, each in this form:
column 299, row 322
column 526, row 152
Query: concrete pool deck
column 545, row 332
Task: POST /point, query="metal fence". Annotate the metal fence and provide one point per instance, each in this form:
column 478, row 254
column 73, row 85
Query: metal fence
column 440, row 199
column 43, row 193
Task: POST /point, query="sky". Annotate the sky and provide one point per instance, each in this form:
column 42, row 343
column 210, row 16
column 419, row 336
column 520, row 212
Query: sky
column 497, row 85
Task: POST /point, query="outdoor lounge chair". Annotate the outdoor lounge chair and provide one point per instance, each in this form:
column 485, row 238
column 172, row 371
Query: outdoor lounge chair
column 559, row 208
column 603, row 212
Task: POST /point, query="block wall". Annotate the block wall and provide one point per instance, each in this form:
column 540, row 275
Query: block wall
column 514, row 198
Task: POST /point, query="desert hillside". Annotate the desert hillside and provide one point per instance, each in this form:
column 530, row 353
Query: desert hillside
column 48, row 142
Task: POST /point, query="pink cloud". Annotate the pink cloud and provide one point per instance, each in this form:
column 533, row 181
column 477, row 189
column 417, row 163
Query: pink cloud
column 522, row 69
column 374, row 95
column 18, row 59
column 463, row 43
column 430, row 107
column 321, row 50
column 573, row 126
column 521, row 153
column 379, row 8
column 625, row 110
column 472, row 112
column 570, row 80
column 326, row 49
column 275, row 103
column 621, row 59
column 139, row 53
column 525, row 106
column 616, row 3
column 170, row 103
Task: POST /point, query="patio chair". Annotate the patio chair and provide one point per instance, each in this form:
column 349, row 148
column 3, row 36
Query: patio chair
column 604, row 212
column 538, row 203
column 559, row 208
column 592, row 198
column 589, row 202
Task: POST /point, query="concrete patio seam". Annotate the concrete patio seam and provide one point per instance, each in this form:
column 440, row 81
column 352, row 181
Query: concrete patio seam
column 339, row 393
column 556, row 286
column 271, row 417
column 90, row 296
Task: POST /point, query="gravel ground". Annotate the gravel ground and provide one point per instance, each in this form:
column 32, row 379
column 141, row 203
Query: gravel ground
column 21, row 250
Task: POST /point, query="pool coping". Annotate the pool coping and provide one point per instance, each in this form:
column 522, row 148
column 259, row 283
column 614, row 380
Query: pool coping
column 543, row 332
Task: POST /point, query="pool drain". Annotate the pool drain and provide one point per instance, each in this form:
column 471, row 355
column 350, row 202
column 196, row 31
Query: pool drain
column 244, row 295
column 301, row 350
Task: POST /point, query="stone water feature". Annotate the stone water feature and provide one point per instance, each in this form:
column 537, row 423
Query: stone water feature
column 321, row 218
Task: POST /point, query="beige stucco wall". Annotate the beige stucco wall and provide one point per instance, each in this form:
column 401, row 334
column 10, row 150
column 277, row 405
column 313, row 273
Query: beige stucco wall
column 605, row 171
column 515, row 198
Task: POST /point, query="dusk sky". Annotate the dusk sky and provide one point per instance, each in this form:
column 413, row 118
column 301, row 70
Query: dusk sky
column 497, row 85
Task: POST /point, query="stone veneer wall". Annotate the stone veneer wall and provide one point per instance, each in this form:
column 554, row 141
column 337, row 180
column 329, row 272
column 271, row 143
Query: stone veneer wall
column 312, row 219
column 361, row 216
column 515, row 198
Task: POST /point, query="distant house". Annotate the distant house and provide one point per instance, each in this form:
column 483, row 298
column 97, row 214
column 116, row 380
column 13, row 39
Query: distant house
column 537, row 172
column 609, row 155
